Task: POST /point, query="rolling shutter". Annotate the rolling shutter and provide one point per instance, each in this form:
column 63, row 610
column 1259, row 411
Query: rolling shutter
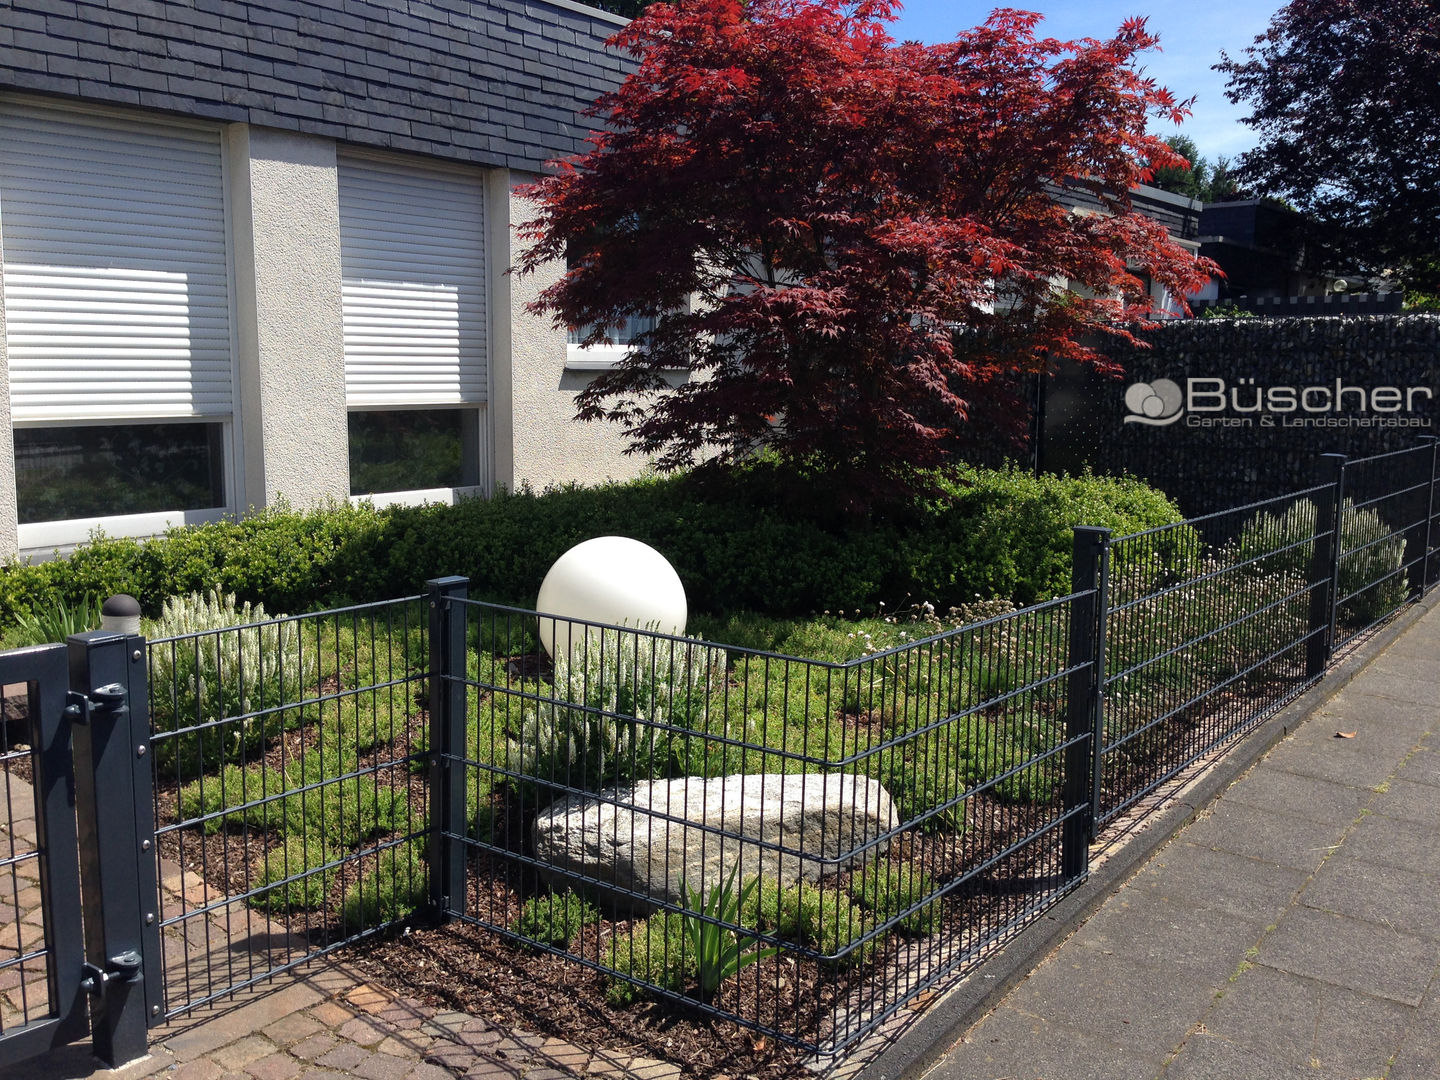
column 412, row 257
column 115, row 280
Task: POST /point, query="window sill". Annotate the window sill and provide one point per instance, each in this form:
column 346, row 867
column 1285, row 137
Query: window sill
column 443, row 495
column 41, row 539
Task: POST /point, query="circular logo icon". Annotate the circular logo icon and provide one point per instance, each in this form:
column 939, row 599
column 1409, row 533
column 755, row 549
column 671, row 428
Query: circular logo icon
column 1157, row 403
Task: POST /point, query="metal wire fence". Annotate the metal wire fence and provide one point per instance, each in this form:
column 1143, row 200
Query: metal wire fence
column 799, row 845
column 795, row 845
column 289, row 789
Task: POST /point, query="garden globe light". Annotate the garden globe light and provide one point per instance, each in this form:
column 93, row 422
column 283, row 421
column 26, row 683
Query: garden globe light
column 611, row 580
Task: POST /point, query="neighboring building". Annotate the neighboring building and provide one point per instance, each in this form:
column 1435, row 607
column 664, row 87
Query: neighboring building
column 1272, row 270
column 1180, row 215
column 253, row 252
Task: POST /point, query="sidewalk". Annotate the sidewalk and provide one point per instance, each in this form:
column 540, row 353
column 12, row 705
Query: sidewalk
column 1292, row 930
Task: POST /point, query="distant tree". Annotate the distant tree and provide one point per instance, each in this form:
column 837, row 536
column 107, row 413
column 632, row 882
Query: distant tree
column 628, row 8
column 850, row 243
column 1189, row 178
column 1222, row 185
column 1345, row 100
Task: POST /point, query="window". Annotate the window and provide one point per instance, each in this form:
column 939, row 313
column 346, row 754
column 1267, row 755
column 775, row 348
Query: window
column 413, row 289
column 599, row 357
column 117, row 319
column 413, row 450
column 89, row 472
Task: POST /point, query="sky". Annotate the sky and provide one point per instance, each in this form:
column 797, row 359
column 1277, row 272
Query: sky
column 1191, row 37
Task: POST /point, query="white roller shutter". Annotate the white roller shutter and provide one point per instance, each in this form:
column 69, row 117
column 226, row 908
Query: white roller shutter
column 412, row 256
column 116, row 296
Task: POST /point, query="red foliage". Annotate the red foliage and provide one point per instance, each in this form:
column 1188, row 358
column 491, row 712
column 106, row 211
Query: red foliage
column 849, row 242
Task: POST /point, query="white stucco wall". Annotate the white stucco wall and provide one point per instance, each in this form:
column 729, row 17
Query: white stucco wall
column 537, row 438
column 290, row 362
column 9, row 504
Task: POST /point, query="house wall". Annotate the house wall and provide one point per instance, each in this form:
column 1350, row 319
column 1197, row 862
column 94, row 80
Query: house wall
column 543, row 439
column 493, row 86
column 290, row 367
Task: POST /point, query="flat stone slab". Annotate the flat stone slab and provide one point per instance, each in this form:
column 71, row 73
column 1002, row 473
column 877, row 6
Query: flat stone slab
column 651, row 841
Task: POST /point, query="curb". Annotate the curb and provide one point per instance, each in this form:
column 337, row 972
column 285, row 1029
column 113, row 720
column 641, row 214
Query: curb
column 926, row 1041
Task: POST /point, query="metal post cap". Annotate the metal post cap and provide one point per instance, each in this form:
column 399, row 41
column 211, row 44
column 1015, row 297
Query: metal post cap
column 120, row 613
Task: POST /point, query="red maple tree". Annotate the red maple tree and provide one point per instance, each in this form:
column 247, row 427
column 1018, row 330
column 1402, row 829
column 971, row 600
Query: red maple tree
column 849, row 242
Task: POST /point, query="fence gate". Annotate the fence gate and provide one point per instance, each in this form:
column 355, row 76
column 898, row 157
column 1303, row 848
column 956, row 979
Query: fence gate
column 41, row 944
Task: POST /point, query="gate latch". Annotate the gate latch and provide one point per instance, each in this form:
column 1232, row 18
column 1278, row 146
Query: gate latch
column 108, row 699
column 123, row 967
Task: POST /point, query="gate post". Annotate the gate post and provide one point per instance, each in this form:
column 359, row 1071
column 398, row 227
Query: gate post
column 1427, row 502
column 115, row 811
column 1325, row 566
column 1417, row 510
column 1089, row 564
column 446, row 854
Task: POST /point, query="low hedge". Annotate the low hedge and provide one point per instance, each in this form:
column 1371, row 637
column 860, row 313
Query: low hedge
column 759, row 539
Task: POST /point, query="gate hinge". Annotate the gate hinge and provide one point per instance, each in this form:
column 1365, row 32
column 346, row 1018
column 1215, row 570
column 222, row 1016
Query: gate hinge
column 123, row 967
column 108, row 699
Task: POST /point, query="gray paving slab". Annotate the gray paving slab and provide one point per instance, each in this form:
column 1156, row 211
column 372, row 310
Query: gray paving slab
column 1365, row 761
column 1209, row 1057
column 1423, row 767
column 1269, row 786
column 1387, row 841
column 1190, row 939
column 1384, row 895
column 1238, row 884
column 1302, row 1022
column 1363, row 956
column 1013, row 1045
column 1115, row 998
column 1265, row 835
column 1409, row 802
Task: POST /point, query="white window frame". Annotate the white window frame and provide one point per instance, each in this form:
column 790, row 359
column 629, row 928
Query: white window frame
column 484, row 466
column 42, row 538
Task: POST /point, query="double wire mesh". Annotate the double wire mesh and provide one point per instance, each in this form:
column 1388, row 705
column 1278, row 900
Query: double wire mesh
column 289, row 790
column 862, row 829
column 799, row 846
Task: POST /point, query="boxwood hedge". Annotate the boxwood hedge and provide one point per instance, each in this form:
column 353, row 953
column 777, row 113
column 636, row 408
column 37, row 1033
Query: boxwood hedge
column 759, row 539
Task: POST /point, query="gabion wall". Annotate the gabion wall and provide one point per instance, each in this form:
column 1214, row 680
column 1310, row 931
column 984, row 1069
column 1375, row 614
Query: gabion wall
column 1210, row 460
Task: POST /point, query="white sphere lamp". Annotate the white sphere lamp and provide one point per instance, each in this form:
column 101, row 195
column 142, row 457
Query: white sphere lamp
column 611, row 580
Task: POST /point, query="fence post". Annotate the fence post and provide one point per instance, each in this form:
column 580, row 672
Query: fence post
column 1428, row 502
column 1415, row 509
column 109, row 708
column 1325, row 566
column 1088, row 574
column 446, row 855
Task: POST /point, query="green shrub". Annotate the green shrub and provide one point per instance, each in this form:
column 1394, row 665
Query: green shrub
column 228, row 662
column 295, row 869
column 821, row 919
column 394, row 889
column 887, row 889
column 631, row 691
column 1009, row 533
column 55, row 622
column 555, row 918
column 304, row 796
column 655, row 950
column 760, row 538
column 1369, row 574
column 792, row 912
